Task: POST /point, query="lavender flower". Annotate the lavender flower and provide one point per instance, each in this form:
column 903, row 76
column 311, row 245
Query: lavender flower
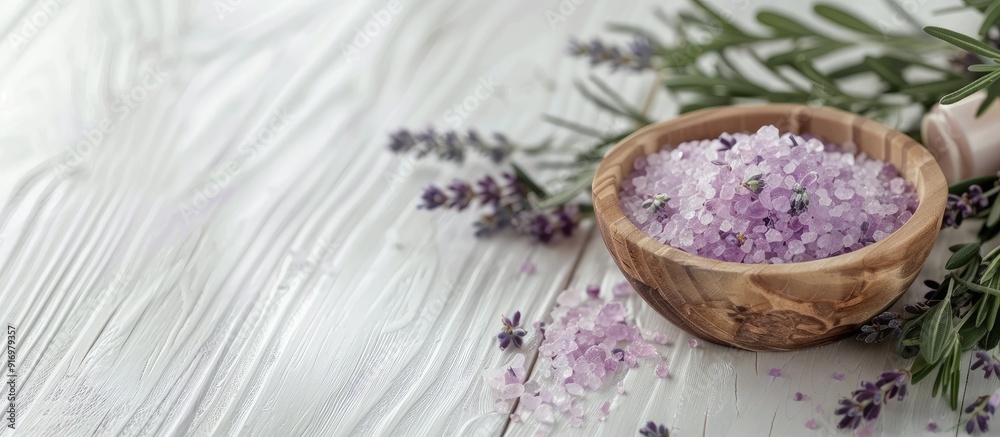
column 865, row 238
column 544, row 226
column 754, row 183
column 653, row 430
column 593, row 291
column 989, row 364
column 653, row 204
column 866, row 403
column 511, row 333
column 637, row 55
column 433, row 197
column 618, row 354
column 881, row 327
column 727, row 142
column 982, row 411
column 489, row 191
column 960, row 207
column 464, row 195
column 800, row 201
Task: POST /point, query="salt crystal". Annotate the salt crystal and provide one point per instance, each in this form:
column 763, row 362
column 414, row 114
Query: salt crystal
column 544, row 413
column 661, row 338
column 773, row 236
column 693, row 342
column 662, row 370
column 530, row 402
column 774, row 372
column 641, row 349
column 622, row 289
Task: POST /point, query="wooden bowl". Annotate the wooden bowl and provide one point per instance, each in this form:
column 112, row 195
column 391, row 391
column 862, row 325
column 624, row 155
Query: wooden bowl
column 772, row 307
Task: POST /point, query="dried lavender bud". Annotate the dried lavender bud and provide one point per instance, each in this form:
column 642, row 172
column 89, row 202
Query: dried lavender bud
column 656, row 202
column 636, row 56
column 881, row 327
column 982, row 411
column 990, row 365
column 754, row 183
column 800, row 201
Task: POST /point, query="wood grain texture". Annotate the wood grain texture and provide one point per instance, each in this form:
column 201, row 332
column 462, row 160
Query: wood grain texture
column 762, row 306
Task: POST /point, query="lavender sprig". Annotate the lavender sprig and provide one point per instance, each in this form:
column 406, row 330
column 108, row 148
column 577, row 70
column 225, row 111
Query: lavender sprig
column 881, row 327
column 637, row 55
column 866, row 403
column 450, row 145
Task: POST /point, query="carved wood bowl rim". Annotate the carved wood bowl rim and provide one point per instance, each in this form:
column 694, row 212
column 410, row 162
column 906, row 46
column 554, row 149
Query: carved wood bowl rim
column 926, row 176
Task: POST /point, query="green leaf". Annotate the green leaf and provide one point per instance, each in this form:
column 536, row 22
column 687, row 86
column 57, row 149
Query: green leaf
column 846, row 19
column 984, row 68
column 971, row 334
column 936, row 331
column 727, row 25
column 712, row 84
column 935, row 88
column 992, row 93
column 971, row 88
column 601, row 103
column 920, row 369
column 573, row 126
column 801, row 55
column 963, row 256
column 810, row 72
column 964, row 42
column 962, row 186
column 567, row 194
column 528, row 183
column 887, row 73
column 994, row 217
column 992, row 339
column 991, row 15
column 618, row 100
column 783, row 25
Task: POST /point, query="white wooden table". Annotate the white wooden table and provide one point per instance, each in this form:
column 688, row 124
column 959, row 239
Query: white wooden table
column 236, row 253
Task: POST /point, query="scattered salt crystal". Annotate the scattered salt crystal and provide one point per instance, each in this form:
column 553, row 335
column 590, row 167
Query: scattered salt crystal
column 693, row 342
column 799, row 396
column 641, row 349
column 622, row 289
column 662, row 370
column 775, row 372
column 838, row 376
column 544, row 413
column 812, row 424
column 514, row 417
column 661, row 338
column 528, row 268
column 620, row 388
column 593, row 290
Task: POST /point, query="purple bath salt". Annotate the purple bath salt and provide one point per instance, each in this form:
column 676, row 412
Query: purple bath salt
column 766, row 198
